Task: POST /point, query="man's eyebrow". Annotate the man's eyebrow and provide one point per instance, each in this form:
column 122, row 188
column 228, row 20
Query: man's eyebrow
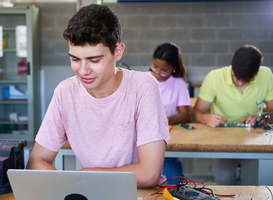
column 91, row 57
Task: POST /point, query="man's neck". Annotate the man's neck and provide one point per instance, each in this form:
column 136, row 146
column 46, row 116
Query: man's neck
column 110, row 87
column 242, row 88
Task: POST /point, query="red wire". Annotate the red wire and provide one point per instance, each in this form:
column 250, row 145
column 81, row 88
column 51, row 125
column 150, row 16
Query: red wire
column 174, row 186
column 171, row 186
column 189, row 181
column 225, row 195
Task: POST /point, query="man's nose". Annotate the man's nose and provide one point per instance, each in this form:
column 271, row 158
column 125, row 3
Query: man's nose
column 85, row 68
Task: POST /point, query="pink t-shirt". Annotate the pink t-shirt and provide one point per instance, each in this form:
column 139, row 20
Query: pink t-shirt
column 174, row 92
column 105, row 132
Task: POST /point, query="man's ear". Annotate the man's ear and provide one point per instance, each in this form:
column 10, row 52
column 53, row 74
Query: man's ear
column 119, row 51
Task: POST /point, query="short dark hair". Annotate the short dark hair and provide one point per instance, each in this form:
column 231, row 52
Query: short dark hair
column 246, row 62
column 170, row 53
column 94, row 24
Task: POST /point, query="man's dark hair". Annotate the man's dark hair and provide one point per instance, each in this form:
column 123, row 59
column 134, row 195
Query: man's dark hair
column 94, row 24
column 246, row 62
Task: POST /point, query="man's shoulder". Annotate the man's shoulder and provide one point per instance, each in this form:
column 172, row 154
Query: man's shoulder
column 220, row 74
column 263, row 76
column 69, row 83
column 265, row 70
column 141, row 77
column 221, row 70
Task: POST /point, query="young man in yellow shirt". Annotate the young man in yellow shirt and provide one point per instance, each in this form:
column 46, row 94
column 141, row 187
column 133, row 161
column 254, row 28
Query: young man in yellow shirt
column 231, row 94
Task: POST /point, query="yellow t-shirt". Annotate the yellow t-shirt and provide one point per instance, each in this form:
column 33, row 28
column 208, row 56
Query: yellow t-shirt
column 228, row 101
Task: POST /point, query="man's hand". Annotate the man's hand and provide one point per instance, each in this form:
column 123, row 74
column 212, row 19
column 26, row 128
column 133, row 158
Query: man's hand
column 199, row 114
column 214, row 120
column 250, row 120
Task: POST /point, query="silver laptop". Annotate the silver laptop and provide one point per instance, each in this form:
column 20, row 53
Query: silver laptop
column 72, row 185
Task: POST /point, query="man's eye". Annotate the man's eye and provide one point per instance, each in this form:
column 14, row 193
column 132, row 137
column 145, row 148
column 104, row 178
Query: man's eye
column 94, row 61
column 75, row 59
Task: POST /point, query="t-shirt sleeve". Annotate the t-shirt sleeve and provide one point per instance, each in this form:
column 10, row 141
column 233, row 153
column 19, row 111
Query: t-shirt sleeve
column 151, row 119
column 51, row 134
column 207, row 90
column 269, row 83
column 183, row 94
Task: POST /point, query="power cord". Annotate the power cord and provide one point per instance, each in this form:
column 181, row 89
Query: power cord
column 262, row 186
column 185, row 182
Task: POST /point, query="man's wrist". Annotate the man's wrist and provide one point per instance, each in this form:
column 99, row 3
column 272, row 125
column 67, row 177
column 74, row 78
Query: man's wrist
column 204, row 118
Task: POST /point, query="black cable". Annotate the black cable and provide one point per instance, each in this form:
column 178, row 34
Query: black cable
column 204, row 191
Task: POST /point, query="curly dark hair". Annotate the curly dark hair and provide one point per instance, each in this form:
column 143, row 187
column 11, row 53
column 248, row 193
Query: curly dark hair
column 170, row 53
column 94, row 24
column 246, row 62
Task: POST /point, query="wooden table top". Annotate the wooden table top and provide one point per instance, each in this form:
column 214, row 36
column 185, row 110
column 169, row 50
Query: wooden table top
column 195, row 83
column 220, row 139
column 241, row 193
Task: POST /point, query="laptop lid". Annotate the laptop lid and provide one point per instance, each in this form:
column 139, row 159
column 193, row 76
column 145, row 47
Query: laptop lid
column 72, row 185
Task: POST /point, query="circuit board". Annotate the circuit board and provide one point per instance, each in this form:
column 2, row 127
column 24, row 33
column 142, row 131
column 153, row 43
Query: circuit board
column 235, row 125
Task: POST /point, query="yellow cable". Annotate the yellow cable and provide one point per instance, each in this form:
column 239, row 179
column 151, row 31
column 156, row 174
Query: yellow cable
column 262, row 186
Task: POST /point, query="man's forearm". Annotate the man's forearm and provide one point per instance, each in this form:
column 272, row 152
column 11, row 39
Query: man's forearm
column 197, row 116
column 39, row 164
column 145, row 177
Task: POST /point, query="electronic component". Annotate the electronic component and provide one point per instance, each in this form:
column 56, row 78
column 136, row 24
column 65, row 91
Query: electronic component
column 235, row 125
column 181, row 190
column 186, row 193
column 186, row 126
column 262, row 118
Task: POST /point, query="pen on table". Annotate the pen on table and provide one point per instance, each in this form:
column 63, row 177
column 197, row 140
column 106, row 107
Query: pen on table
column 186, row 126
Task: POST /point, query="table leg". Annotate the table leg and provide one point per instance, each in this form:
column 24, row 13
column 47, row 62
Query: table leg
column 256, row 172
column 78, row 166
column 59, row 160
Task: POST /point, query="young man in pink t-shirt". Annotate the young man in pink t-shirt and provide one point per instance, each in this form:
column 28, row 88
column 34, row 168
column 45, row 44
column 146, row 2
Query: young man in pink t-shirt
column 113, row 118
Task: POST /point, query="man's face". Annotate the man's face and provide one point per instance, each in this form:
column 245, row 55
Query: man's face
column 237, row 82
column 93, row 65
